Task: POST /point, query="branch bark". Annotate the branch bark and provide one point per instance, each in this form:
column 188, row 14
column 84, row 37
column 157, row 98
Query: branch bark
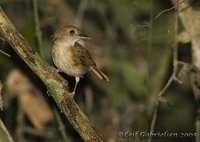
column 189, row 15
column 57, row 86
column 4, row 134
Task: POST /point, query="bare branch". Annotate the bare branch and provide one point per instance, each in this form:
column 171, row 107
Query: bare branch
column 166, row 10
column 4, row 134
column 173, row 75
column 5, row 53
column 61, row 127
column 37, row 24
column 190, row 19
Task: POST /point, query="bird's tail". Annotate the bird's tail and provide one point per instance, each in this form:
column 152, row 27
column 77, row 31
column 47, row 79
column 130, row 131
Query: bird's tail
column 99, row 74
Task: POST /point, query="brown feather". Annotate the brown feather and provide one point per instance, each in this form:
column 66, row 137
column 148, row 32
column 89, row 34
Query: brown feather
column 100, row 74
column 82, row 56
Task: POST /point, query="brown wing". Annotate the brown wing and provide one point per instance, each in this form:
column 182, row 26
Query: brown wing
column 82, row 56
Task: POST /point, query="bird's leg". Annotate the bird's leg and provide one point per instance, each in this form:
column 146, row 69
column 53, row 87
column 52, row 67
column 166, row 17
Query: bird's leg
column 74, row 91
column 77, row 81
column 71, row 95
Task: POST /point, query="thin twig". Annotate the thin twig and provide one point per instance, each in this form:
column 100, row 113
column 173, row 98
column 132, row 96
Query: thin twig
column 48, row 135
column 61, row 126
column 197, row 131
column 3, row 39
column 190, row 20
column 37, row 25
column 172, row 77
column 150, row 28
column 159, row 95
column 175, row 47
column 89, row 100
column 5, row 133
column 20, row 124
column 166, row 10
column 5, row 53
column 149, row 46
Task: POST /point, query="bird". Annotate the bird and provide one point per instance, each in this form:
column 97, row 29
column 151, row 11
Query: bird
column 71, row 56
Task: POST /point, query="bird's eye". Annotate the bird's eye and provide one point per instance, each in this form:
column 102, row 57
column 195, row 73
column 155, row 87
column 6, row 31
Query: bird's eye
column 71, row 32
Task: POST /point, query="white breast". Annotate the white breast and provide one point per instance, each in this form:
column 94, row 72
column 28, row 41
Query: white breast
column 63, row 59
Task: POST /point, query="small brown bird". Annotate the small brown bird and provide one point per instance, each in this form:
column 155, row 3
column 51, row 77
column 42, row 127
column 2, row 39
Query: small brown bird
column 70, row 56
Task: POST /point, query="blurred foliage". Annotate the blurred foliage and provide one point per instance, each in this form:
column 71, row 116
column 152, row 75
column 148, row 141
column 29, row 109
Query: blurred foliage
column 136, row 57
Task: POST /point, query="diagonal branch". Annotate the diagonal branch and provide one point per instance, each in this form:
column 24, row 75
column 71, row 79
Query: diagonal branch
column 189, row 15
column 173, row 75
column 57, row 86
column 4, row 134
column 37, row 25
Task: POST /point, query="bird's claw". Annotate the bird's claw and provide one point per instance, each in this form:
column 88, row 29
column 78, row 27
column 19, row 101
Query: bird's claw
column 55, row 70
column 69, row 95
column 65, row 97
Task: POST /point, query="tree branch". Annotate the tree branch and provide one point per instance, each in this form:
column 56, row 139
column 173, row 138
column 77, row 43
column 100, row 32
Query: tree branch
column 189, row 15
column 37, row 25
column 57, row 86
column 173, row 75
column 61, row 127
column 4, row 134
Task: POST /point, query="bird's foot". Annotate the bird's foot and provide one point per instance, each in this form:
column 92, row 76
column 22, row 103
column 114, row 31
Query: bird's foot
column 55, row 70
column 70, row 95
column 65, row 97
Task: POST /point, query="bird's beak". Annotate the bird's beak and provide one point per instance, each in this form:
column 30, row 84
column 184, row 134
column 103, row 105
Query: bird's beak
column 83, row 36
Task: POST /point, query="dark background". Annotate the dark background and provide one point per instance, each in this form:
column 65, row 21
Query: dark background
column 134, row 51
